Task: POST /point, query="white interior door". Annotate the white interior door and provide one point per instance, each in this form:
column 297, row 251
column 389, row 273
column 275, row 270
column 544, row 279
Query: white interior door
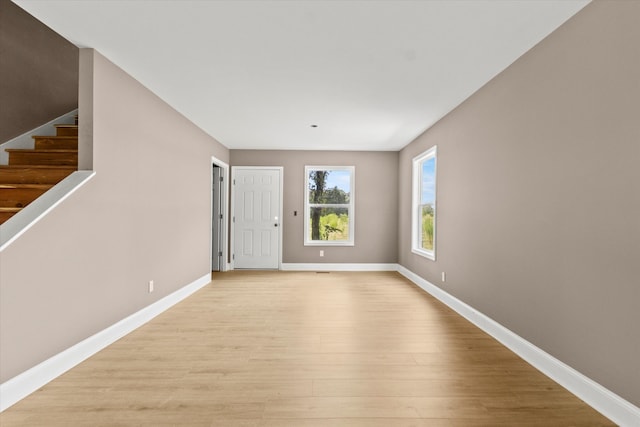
column 256, row 222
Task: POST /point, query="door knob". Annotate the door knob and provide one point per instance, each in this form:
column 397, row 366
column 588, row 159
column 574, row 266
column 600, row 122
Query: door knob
column 275, row 225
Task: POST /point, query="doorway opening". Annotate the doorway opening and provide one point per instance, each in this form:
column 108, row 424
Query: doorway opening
column 219, row 218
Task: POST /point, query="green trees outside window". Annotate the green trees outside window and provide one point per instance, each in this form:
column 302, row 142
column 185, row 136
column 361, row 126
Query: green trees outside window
column 423, row 241
column 329, row 206
column 427, row 227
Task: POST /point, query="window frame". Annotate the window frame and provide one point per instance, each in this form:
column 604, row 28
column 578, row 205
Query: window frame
column 416, row 215
column 350, row 207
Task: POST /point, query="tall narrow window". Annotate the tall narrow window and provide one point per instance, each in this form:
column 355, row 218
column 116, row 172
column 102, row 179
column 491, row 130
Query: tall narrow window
column 329, row 205
column 423, row 240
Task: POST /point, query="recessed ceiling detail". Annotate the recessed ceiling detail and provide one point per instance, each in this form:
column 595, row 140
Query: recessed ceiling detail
column 375, row 73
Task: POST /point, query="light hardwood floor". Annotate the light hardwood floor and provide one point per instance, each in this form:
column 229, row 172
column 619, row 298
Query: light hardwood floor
column 297, row 349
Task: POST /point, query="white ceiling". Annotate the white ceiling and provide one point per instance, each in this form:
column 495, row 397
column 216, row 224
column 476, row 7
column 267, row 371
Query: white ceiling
column 257, row 74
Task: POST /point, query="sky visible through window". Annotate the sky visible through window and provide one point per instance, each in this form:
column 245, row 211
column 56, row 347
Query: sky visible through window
column 428, row 195
column 340, row 179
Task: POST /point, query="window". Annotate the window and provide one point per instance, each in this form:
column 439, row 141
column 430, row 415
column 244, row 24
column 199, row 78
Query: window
column 328, row 205
column 423, row 239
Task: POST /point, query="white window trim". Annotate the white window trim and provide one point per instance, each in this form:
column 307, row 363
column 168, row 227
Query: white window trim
column 416, row 217
column 351, row 206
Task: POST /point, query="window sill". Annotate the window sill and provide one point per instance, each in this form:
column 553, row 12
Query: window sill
column 425, row 254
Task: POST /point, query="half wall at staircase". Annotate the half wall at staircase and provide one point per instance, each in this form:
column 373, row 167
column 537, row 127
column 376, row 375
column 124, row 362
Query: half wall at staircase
column 144, row 216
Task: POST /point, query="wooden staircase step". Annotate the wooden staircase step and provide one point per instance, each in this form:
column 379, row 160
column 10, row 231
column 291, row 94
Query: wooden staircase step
column 34, row 174
column 66, row 130
column 56, row 142
column 60, row 157
column 6, row 213
column 20, row 195
column 26, row 186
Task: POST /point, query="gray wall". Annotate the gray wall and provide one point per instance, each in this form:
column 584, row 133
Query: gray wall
column 38, row 73
column 539, row 197
column 145, row 215
column 376, row 178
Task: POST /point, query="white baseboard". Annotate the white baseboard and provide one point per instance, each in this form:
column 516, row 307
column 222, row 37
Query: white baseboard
column 609, row 404
column 603, row 400
column 31, row 380
column 339, row 267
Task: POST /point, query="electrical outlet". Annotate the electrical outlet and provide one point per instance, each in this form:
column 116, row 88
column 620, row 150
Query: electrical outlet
column 444, row 277
column 150, row 286
column 321, row 253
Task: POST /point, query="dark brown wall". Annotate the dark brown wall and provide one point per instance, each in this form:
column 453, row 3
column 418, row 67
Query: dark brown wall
column 38, row 73
column 538, row 221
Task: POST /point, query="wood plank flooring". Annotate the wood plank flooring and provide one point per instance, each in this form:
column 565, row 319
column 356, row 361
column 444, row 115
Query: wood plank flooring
column 298, row 349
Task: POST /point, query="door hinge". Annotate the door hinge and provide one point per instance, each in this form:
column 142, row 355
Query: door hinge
column 234, row 219
column 220, row 253
column 234, row 181
column 220, row 216
column 233, row 256
column 221, row 179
